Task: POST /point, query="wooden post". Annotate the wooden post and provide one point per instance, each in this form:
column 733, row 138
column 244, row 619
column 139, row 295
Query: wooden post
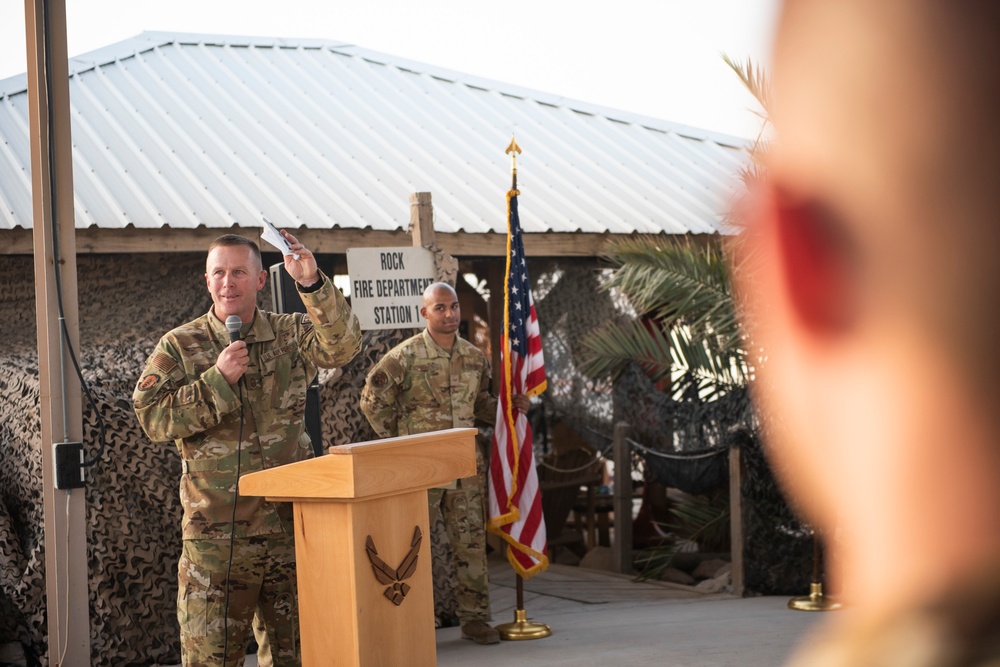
column 421, row 219
column 623, row 499
column 736, row 517
column 496, row 284
column 60, row 398
column 496, row 281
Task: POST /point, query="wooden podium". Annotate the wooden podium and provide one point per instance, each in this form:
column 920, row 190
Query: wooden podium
column 362, row 544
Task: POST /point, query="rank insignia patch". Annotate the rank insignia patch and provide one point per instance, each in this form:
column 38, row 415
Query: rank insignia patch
column 380, row 379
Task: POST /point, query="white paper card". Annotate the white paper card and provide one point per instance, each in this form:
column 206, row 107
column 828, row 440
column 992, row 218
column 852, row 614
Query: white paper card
column 274, row 237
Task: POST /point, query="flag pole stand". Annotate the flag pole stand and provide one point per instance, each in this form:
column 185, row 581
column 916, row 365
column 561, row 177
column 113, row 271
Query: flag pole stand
column 815, row 601
column 522, row 628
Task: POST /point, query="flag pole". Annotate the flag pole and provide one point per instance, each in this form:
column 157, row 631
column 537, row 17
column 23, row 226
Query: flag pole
column 521, row 628
column 513, row 149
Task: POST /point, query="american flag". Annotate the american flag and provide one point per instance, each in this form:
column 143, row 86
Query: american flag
column 515, row 501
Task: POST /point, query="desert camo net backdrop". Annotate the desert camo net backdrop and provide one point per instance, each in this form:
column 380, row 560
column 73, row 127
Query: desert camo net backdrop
column 133, row 513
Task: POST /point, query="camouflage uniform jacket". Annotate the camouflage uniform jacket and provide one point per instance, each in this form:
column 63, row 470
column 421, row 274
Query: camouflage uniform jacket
column 418, row 387
column 182, row 396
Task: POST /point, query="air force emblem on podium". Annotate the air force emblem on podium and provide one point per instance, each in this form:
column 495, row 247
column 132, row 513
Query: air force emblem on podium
column 396, row 590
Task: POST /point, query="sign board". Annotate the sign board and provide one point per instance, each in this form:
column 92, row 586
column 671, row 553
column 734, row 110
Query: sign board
column 387, row 285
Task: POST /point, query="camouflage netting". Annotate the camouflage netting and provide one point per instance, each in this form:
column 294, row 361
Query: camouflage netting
column 777, row 545
column 132, row 506
column 570, row 304
column 22, row 561
column 133, row 512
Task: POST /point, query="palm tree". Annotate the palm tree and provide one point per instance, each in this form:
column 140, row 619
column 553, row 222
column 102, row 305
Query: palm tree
column 686, row 333
column 685, row 336
column 686, row 324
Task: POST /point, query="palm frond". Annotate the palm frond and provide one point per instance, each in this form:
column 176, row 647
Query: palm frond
column 717, row 367
column 754, row 79
column 652, row 562
column 699, row 521
column 689, row 324
column 676, row 283
column 703, row 518
column 666, row 354
column 609, row 349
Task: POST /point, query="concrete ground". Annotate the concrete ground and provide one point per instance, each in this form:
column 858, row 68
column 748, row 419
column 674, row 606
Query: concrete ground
column 752, row 632
column 601, row 618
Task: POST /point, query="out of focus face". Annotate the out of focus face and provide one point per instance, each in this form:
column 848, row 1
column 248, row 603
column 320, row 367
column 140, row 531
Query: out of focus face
column 234, row 276
column 836, row 155
column 886, row 143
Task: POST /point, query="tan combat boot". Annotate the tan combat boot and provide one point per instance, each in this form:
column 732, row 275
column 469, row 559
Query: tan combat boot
column 480, row 632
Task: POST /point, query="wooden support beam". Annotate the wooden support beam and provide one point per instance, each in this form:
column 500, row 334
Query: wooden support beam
column 458, row 244
column 67, row 595
column 623, row 499
column 736, row 518
column 421, row 219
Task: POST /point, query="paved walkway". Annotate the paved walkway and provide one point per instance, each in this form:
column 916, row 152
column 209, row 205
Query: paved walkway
column 601, row 618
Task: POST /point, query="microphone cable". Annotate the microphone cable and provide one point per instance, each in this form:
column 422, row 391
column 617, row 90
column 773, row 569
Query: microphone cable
column 233, row 324
column 232, row 531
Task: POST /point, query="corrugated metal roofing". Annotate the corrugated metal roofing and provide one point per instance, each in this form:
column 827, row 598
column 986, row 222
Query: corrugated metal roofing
column 183, row 130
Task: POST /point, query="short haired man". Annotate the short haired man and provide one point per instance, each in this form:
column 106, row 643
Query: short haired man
column 430, row 382
column 233, row 408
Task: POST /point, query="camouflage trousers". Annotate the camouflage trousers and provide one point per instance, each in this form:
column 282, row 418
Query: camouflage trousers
column 261, row 587
column 462, row 512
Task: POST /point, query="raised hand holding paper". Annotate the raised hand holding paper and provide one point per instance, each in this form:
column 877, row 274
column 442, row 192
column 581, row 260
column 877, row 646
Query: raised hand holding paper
column 274, row 237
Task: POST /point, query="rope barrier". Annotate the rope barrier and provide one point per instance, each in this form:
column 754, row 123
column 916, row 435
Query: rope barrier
column 655, row 452
column 601, row 455
column 677, row 457
column 598, row 457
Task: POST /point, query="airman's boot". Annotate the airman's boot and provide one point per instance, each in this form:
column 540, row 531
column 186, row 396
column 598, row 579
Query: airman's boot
column 480, row 632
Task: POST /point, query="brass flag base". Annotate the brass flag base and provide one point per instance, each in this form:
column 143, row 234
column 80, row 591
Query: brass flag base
column 522, row 628
column 815, row 601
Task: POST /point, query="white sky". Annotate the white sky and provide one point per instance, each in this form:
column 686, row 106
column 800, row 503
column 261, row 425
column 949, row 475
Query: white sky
column 660, row 58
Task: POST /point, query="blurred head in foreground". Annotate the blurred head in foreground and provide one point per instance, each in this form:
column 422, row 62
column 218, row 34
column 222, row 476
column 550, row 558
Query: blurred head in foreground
column 870, row 275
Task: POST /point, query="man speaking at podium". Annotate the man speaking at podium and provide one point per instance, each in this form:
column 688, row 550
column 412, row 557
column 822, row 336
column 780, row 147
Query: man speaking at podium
column 229, row 389
column 435, row 381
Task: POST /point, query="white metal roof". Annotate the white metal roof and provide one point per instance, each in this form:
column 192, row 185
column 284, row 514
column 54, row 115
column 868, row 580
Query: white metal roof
column 184, row 130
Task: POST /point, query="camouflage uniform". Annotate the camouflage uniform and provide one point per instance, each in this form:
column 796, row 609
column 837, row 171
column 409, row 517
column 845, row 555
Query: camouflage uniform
column 182, row 396
column 961, row 629
column 418, row 387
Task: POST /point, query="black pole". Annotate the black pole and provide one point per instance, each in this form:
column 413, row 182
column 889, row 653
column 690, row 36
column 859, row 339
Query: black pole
column 815, row 578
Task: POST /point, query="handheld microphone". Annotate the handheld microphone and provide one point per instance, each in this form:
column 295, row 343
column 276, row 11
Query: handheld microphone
column 233, row 323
